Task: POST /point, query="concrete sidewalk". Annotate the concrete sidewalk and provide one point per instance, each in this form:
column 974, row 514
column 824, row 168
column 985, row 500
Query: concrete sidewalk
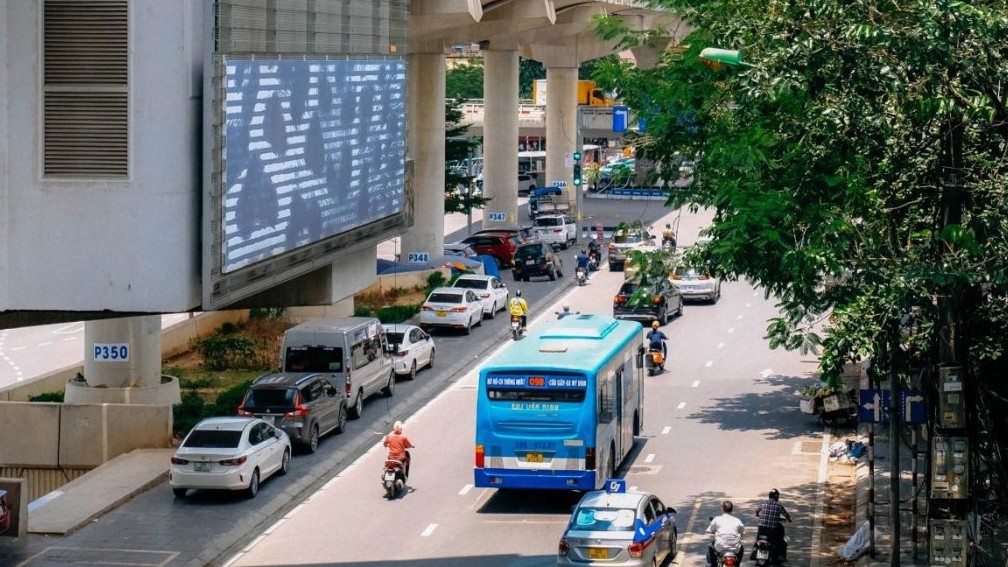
column 912, row 552
column 102, row 489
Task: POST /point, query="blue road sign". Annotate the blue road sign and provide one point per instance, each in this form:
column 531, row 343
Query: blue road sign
column 912, row 406
column 641, row 123
column 873, row 405
column 620, row 118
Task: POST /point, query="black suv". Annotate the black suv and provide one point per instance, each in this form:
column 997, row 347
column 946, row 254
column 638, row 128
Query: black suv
column 305, row 406
column 536, row 259
column 655, row 302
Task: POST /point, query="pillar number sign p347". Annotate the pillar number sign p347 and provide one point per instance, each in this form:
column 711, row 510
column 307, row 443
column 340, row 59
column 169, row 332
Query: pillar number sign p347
column 105, row 352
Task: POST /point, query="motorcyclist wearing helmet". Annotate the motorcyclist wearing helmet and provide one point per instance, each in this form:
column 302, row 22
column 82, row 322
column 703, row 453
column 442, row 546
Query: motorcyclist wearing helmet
column 668, row 236
column 397, row 443
column 656, row 339
column 566, row 312
column 771, row 515
column 582, row 261
column 727, row 531
column 518, row 307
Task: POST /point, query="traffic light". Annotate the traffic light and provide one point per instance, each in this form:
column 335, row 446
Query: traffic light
column 577, row 169
column 577, row 156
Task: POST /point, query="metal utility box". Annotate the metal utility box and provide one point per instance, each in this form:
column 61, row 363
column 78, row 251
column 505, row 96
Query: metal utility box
column 948, row 543
column 950, row 468
column 951, row 405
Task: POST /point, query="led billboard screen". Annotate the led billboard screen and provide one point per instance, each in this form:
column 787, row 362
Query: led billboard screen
column 311, row 149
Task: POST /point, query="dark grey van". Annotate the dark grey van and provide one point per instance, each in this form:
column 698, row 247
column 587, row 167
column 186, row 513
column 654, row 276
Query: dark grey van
column 350, row 351
column 305, row 406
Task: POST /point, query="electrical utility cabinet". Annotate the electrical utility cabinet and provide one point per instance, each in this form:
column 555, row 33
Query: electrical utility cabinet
column 948, row 543
column 949, row 468
column 951, row 405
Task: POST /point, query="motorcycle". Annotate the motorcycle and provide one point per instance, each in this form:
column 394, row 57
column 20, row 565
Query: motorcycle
column 516, row 327
column 654, row 361
column 769, row 550
column 728, row 558
column 593, row 261
column 394, row 477
column 581, row 275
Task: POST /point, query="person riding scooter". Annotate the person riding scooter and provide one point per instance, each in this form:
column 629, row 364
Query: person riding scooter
column 771, row 516
column 668, row 237
column 397, row 443
column 727, row 531
column 519, row 308
column 582, row 264
column 594, row 254
column 656, row 339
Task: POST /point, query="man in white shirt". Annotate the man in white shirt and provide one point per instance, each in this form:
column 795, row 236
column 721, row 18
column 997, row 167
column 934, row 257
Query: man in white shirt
column 727, row 531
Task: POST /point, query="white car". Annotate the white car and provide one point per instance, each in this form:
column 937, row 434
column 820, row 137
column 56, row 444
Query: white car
column 697, row 285
column 555, row 229
column 490, row 289
column 411, row 348
column 229, row 453
column 452, row 307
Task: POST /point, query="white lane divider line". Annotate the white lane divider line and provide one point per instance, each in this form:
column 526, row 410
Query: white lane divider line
column 731, row 329
column 820, row 498
column 748, row 305
column 739, row 317
column 709, row 364
column 71, row 339
column 430, row 529
column 465, row 490
column 766, row 372
column 696, row 383
column 649, row 458
column 275, row 525
column 18, row 348
column 666, row 430
column 254, row 543
column 294, row 510
column 681, row 405
column 720, row 345
column 44, row 343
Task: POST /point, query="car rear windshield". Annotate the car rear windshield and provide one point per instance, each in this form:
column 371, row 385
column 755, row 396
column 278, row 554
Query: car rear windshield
column 528, row 252
column 470, row 284
column 269, row 398
column 628, row 288
column 686, row 272
column 627, row 238
column 555, row 221
column 445, row 298
column 604, row 519
column 394, row 339
column 213, row 438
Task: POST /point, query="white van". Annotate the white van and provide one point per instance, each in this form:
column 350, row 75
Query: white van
column 350, row 351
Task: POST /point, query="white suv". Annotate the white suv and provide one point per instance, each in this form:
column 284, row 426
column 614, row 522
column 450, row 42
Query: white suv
column 555, row 229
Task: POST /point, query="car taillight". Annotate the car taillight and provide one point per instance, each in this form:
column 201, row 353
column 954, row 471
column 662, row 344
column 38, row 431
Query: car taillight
column 234, row 462
column 676, row 277
column 299, row 410
column 558, row 230
column 619, row 299
column 348, row 389
column 402, row 353
column 563, row 548
column 244, row 412
column 458, row 309
column 485, row 295
column 656, row 299
column 635, row 549
column 590, row 458
column 178, row 461
column 479, row 456
column 426, row 308
column 704, row 277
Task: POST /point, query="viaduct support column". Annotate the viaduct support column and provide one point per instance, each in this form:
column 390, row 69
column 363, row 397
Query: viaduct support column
column 500, row 135
column 425, row 141
column 122, row 364
column 562, row 135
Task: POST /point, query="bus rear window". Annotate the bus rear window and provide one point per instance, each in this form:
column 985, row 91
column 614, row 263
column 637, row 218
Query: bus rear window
column 314, row 359
column 537, row 395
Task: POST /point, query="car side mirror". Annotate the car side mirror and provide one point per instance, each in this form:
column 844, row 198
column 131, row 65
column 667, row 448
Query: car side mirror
column 277, row 433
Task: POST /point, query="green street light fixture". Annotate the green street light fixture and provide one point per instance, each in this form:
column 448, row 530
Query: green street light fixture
column 717, row 58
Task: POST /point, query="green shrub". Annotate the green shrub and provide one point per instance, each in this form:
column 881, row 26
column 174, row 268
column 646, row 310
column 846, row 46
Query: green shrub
column 227, row 328
column 397, row 313
column 228, row 401
column 257, row 313
column 435, row 279
column 362, row 311
column 188, row 413
column 47, row 397
column 221, row 352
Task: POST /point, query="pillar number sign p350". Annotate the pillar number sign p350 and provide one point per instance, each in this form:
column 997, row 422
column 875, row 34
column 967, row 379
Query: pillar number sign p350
column 111, row 352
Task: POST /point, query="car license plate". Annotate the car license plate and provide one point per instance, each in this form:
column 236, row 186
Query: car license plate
column 598, row 553
column 296, row 424
column 533, row 457
column 762, row 554
column 201, row 467
column 442, row 313
column 530, row 262
column 390, row 475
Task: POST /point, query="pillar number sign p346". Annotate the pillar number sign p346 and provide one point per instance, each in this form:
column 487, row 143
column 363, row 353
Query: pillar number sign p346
column 111, row 352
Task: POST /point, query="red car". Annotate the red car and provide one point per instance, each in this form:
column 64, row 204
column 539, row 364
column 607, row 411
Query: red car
column 499, row 244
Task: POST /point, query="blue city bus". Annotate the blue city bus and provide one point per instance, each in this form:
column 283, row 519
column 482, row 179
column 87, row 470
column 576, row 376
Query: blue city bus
column 560, row 409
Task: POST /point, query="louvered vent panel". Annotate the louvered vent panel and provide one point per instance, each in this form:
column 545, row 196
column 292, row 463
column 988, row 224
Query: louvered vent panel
column 86, row 72
column 85, row 42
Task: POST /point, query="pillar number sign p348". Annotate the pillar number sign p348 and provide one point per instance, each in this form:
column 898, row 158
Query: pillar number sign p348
column 111, row 352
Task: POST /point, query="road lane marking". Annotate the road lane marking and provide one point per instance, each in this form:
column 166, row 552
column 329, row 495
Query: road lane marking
column 294, row 510
column 739, row 317
column 748, row 305
column 696, row 383
column 731, row 329
column 44, row 343
column 254, row 542
column 465, row 490
column 709, row 364
column 820, row 500
column 720, row 345
column 71, row 339
column 17, row 348
column 665, row 430
column 689, row 527
column 430, row 529
column 681, row 405
column 275, row 525
column 766, row 372
column 649, row 458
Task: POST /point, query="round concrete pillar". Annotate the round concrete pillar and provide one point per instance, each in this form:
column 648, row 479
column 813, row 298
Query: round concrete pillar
column 500, row 136
column 561, row 126
column 122, row 353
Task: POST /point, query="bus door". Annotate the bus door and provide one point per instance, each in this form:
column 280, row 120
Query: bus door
column 621, row 445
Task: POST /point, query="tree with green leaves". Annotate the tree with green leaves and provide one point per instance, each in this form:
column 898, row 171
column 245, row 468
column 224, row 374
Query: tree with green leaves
column 462, row 193
column 465, row 80
column 857, row 164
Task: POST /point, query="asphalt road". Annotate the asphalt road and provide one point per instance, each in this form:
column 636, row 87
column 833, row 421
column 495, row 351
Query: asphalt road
column 722, row 422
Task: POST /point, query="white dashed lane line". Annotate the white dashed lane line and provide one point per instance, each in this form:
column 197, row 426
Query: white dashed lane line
column 681, row 405
column 465, row 490
column 430, row 529
column 666, row 430
column 696, row 383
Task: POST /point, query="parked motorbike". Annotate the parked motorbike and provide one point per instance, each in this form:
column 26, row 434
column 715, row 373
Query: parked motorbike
column 516, row 327
column 581, row 275
column 654, row 361
column 394, row 477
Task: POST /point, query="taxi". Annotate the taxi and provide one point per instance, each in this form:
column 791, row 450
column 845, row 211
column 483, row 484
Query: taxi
column 616, row 526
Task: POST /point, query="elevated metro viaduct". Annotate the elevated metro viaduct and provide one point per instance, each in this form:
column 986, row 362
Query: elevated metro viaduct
column 118, row 252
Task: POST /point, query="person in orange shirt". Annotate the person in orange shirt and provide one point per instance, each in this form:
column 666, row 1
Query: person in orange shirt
column 397, row 444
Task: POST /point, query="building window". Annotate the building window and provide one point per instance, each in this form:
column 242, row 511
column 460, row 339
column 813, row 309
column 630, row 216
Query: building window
column 85, row 87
